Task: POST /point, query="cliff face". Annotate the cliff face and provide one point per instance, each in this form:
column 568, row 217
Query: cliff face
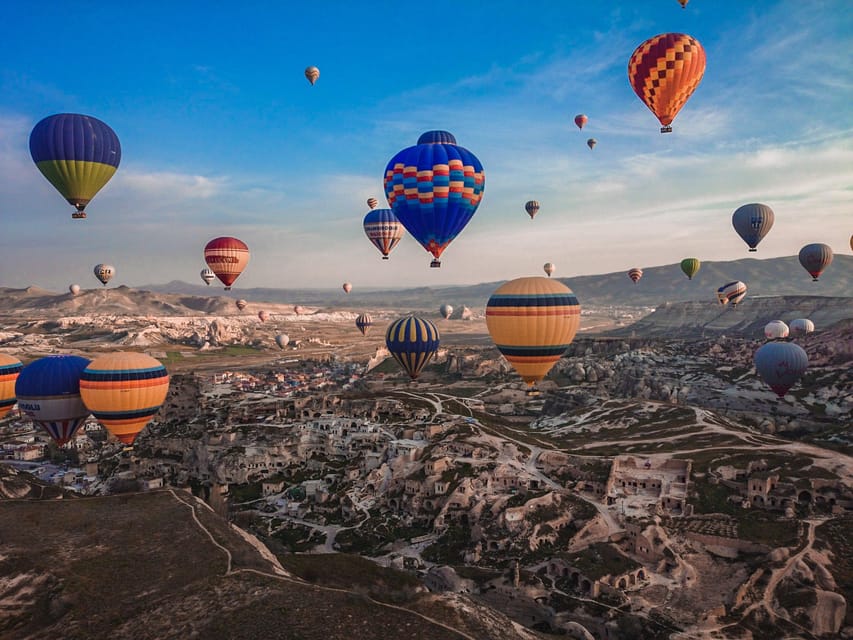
column 690, row 319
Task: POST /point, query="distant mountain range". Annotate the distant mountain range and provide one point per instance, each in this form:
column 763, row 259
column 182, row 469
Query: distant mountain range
column 659, row 285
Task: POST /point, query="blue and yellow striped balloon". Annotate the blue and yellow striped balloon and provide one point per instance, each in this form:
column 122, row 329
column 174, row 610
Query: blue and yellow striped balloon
column 364, row 322
column 123, row 391
column 413, row 342
column 9, row 369
column 77, row 154
column 532, row 321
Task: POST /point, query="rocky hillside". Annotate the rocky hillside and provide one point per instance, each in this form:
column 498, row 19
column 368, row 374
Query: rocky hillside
column 692, row 319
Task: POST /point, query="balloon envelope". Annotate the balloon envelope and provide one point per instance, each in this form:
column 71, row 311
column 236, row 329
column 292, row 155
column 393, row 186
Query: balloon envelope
column 549, row 268
column 413, row 342
column 532, row 208
column 298, row 309
column 591, row 143
column 74, row 289
column 384, row 230
column 434, row 188
column 752, row 222
column 282, row 340
column 78, row 155
column 775, row 330
column 226, row 257
column 48, row 391
column 372, row 203
column 732, row 292
column 801, row 326
column 532, row 321
column 780, row 364
column 10, row 367
column 446, row 311
column 263, row 316
column 347, row 287
column 690, row 267
column 635, row 274
column 815, row 258
column 207, row 276
column 312, row 73
column 581, row 120
column 364, row 322
column 241, row 304
column 104, row 273
column 124, row 390
column 664, row 71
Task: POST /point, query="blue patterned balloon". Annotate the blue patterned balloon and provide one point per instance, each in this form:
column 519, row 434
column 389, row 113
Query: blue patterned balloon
column 413, row 342
column 434, row 188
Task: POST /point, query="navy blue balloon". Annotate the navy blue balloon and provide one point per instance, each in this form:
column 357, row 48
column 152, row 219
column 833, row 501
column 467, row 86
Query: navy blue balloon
column 434, row 188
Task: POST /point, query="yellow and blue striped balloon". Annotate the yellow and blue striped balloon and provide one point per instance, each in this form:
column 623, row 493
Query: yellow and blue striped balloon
column 413, row 342
column 9, row 369
column 532, row 321
column 77, row 154
column 123, row 391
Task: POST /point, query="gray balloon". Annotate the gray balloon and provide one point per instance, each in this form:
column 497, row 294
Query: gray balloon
column 752, row 222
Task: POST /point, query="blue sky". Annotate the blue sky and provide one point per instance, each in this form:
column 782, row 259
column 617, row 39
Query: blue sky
column 222, row 135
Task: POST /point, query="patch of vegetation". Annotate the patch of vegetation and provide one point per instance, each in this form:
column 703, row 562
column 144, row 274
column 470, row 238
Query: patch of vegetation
column 244, row 492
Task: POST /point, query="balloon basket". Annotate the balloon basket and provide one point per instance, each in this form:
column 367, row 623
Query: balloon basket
column 666, row 129
column 532, row 393
column 384, row 257
column 78, row 215
column 228, row 288
column 435, row 264
column 753, row 250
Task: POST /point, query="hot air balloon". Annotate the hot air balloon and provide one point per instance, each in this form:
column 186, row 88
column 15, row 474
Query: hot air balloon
column 347, row 287
column 372, row 203
column 48, row 391
column 690, row 267
column 263, row 316
column 532, row 321
column 591, row 143
column 298, row 309
column 384, row 230
column 413, row 342
column 549, row 268
column 312, row 73
column 781, row 364
column 664, row 71
column 207, row 276
column 364, row 322
column 466, row 314
column 683, row 3
column 227, row 257
column 74, row 289
column 124, row 390
column 815, row 258
column 801, row 326
column 104, row 273
column 581, row 120
column 241, row 304
column 775, row 330
column 77, row 154
column 9, row 369
column 282, row 340
column 446, row 311
column 732, row 292
column 434, row 188
column 532, row 208
column 752, row 222
column 635, row 274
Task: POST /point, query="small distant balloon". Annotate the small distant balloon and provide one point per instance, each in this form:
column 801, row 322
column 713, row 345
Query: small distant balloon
column 74, row 289
column 384, row 230
column 263, row 316
column 549, row 268
column 241, row 304
column 446, row 311
column 591, row 143
column 690, row 267
column 312, row 73
column 372, row 203
column 207, row 276
column 815, row 258
column 731, row 292
column 10, row 368
column 635, row 274
column 347, row 287
column 752, row 222
column 775, row 330
column 780, row 365
column 466, row 313
column 298, row 309
column 581, row 120
column 532, row 208
column 683, row 3
column 104, row 273
column 413, row 342
column 282, row 340
column 801, row 326
column 363, row 322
